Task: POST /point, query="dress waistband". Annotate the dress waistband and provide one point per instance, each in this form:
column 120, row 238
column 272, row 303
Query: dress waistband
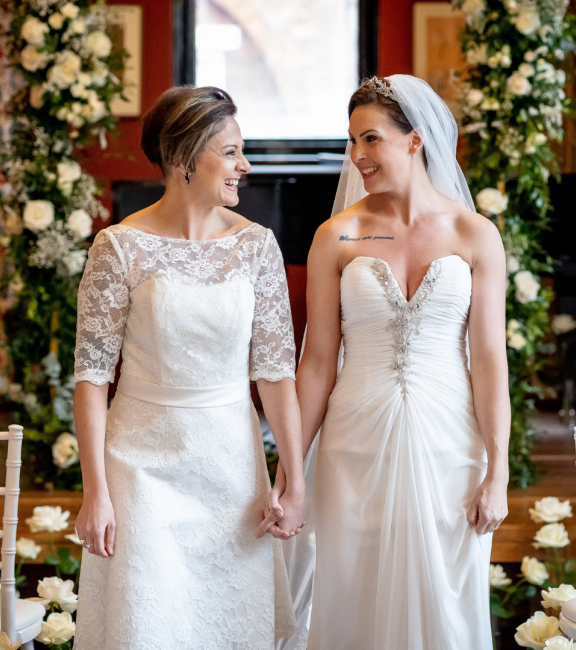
column 208, row 397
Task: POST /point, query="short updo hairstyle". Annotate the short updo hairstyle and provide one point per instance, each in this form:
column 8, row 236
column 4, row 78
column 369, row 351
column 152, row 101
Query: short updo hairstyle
column 378, row 91
column 181, row 122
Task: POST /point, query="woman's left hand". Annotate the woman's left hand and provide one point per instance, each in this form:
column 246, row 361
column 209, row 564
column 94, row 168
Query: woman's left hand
column 489, row 506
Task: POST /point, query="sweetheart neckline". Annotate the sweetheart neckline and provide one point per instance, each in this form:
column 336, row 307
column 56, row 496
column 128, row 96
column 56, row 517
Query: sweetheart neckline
column 379, row 259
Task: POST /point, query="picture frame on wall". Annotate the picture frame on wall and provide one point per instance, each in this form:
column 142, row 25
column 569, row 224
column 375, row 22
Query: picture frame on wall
column 436, row 54
column 124, row 26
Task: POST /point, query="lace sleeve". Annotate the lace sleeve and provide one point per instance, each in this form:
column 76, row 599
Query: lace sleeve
column 272, row 349
column 103, row 299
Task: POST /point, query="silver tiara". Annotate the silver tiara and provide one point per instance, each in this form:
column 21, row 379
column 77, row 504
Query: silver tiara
column 383, row 87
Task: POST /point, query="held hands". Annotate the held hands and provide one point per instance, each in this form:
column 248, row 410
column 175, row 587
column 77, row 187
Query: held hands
column 489, row 506
column 284, row 514
column 96, row 525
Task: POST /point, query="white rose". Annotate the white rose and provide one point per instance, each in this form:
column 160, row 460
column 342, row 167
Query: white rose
column 57, row 629
column 527, row 22
column 75, row 261
column 549, row 510
column 555, row 597
column 62, row 113
column 559, row 643
column 69, row 170
column 33, row 31
column 562, row 323
column 533, row 570
column 49, row 518
column 527, row 287
column 493, row 61
column 551, row 536
column 561, row 77
column 36, row 96
column 56, row 590
column 518, row 84
column 99, row 75
column 517, row 341
column 477, row 54
column 526, row 69
column 512, row 264
column 536, row 631
column 512, row 326
column 74, row 538
column 474, row 97
column 27, row 549
column 67, row 68
column 491, row 201
column 33, row 60
column 65, row 449
column 540, row 138
column 505, row 60
column 80, row 223
column 56, row 20
column 70, row 10
column 78, row 90
column 38, row 215
column 530, row 56
column 98, row 108
column 99, row 44
column 78, row 26
column 498, row 577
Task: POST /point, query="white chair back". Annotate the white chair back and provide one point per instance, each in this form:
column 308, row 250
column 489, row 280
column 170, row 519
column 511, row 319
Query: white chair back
column 9, row 523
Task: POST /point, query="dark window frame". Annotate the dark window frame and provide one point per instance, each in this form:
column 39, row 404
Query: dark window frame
column 184, row 12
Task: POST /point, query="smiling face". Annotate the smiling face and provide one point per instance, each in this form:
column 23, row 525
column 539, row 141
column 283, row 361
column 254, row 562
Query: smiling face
column 220, row 166
column 382, row 153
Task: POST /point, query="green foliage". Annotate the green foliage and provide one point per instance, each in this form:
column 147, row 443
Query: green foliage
column 60, row 105
column 513, row 102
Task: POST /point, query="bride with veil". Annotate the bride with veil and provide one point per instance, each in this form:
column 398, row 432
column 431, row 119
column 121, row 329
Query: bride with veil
column 404, row 373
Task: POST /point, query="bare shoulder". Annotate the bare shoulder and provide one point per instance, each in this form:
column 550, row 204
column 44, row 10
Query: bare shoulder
column 236, row 221
column 480, row 235
column 342, row 224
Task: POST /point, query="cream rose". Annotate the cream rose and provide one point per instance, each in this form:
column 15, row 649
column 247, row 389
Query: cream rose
column 518, row 84
column 78, row 26
column 49, row 518
column 540, row 138
column 99, row 44
column 555, row 597
column 33, row 31
column 474, row 97
column 559, row 643
column 56, row 590
column 99, row 75
column 562, row 323
column 549, row 510
column 70, row 10
column 27, row 549
column 536, row 631
column 67, row 68
column 491, row 201
column 33, row 60
column 533, row 570
column 57, row 629
column 551, row 536
column 526, row 70
column 527, row 22
column 477, row 55
column 512, row 264
column 38, row 215
column 69, row 170
column 65, row 449
column 56, row 20
column 527, row 287
column 75, row 261
column 498, row 577
column 80, row 223
column 36, row 96
column 517, row 341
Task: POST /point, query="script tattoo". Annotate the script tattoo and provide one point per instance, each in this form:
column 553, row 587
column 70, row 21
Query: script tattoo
column 346, row 238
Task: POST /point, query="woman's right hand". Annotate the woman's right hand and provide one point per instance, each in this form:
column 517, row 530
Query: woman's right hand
column 96, row 525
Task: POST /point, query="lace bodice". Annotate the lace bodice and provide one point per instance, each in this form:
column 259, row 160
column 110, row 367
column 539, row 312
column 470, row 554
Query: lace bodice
column 184, row 313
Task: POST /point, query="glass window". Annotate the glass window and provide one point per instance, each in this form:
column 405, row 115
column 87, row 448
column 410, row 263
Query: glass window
column 290, row 66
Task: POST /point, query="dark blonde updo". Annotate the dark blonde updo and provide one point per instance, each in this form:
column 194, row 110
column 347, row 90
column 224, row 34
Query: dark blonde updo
column 181, row 122
column 379, row 91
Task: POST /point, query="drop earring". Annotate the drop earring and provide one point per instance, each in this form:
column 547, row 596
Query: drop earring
column 187, row 177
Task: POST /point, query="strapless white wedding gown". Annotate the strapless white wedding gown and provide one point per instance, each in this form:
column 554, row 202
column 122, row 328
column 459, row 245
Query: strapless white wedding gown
column 400, row 456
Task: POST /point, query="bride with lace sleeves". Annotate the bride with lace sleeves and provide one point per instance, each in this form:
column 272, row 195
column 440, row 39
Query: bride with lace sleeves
column 175, row 476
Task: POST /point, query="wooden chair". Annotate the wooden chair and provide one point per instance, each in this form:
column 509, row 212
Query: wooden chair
column 20, row 619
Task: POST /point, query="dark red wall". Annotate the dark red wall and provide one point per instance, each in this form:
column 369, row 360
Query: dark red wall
column 395, row 48
column 123, row 159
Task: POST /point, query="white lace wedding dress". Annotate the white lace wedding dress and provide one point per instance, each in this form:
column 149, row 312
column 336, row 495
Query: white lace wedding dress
column 399, row 458
column 184, row 459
